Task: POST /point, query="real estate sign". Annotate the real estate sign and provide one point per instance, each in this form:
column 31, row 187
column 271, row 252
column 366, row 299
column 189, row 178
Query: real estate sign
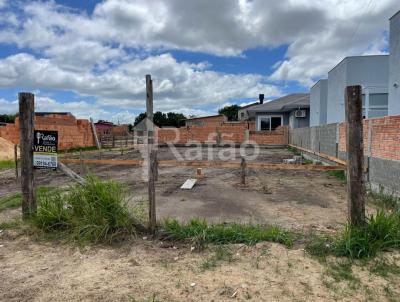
column 45, row 149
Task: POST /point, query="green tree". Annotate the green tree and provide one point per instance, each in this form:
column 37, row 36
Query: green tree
column 8, row 118
column 231, row 112
column 171, row 119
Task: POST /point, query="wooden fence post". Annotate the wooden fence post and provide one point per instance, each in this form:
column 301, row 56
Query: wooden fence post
column 355, row 154
column 152, row 190
column 26, row 119
column 151, row 154
column 16, row 161
column 243, row 171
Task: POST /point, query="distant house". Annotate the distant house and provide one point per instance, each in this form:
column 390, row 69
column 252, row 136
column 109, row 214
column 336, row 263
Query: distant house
column 318, row 103
column 292, row 110
column 371, row 72
column 242, row 112
column 378, row 75
column 104, row 127
column 206, row 120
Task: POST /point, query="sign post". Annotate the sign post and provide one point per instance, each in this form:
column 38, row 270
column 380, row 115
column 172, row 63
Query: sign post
column 45, row 149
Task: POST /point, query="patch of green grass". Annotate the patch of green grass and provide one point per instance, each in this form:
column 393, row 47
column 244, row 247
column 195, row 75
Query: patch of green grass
column 294, row 150
column 381, row 232
column 10, row 201
column 382, row 268
column 15, row 200
column 7, row 164
column 94, row 212
column 221, row 254
column 307, row 161
column 202, row 233
column 339, row 174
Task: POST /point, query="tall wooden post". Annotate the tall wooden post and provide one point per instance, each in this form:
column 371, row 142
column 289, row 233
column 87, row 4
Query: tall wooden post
column 152, row 190
column 355, row 154
column 26, row 119
column 243, row 171
column 16, row 161
column 152, row 154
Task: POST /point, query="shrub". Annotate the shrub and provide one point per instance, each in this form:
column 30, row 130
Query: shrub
column 380, row 233
column 93, row 212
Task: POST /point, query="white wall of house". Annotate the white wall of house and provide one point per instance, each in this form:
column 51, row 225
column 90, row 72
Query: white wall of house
column 318, row 103
column 394, row 65
column 371, row 72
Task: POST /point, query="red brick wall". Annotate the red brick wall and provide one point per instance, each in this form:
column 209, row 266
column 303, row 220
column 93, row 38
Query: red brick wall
column 277, row 137
column 229, row 132
column 385, row 137
column 72, row 132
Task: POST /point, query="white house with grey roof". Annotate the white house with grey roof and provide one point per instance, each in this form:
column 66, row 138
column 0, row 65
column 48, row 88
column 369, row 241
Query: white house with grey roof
column 292, row 110
column 379, row 76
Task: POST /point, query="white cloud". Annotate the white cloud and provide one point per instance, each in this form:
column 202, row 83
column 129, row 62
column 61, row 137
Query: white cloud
column 106, row 54
column 175, row 84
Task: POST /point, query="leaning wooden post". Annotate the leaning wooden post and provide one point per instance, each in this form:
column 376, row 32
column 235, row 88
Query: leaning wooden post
column 16, row 161
column 243, row 171
column 355, row 154
column 82, row 168
column 151, row 154
column 26, row 121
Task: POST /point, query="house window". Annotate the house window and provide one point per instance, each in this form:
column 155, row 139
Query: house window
column 242, row 115
column 269, row 122
column 375, row 105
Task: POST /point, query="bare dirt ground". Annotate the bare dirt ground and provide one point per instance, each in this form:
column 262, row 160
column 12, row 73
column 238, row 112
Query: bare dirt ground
column 142, row 271
column 138, row 270
column 291, row 199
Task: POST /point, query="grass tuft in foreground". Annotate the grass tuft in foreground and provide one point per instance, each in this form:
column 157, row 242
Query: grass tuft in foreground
column 201, row 233
column 381, row 232
column 94, row 212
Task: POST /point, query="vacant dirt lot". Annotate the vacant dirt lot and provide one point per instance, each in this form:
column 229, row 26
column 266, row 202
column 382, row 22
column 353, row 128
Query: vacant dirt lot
column 293, row 199
column 143, row 269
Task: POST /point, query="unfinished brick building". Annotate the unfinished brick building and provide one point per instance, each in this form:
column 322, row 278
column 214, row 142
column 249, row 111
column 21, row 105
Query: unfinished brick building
column 72, row 132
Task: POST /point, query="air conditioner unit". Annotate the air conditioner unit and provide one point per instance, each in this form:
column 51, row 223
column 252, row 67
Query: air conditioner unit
column 300, row 113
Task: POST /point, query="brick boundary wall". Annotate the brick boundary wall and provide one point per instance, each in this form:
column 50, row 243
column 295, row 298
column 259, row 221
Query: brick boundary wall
column 381, row 148
column 226, row 132
column 72, row 132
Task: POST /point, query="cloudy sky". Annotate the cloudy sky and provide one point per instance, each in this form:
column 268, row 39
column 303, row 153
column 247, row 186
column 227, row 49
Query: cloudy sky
column 91, row 57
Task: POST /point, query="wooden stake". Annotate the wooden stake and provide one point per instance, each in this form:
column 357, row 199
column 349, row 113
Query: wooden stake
column 26, row 119
column 355, row 154
column 82, row 167
column 16, row 161
column 243, row 171
column 152, row 192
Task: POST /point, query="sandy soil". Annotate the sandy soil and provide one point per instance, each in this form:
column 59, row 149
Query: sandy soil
column 143, row 269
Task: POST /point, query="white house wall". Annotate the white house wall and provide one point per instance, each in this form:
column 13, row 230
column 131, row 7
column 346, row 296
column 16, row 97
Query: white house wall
column 394, row 65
